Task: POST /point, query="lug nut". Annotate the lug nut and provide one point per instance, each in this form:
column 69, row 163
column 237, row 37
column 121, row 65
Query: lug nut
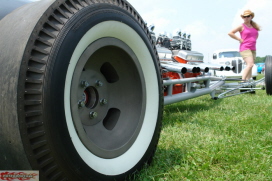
column 103, row 101
column 93, row 115
column 99, row 83
column 81, row 104
column 84, row 84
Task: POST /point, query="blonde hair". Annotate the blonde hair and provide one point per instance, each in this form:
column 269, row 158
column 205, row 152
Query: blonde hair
column 255, row 25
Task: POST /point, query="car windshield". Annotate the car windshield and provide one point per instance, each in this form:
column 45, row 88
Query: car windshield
column 229, row 54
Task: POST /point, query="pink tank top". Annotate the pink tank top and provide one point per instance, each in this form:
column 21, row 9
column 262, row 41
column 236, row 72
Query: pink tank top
column 249, row 35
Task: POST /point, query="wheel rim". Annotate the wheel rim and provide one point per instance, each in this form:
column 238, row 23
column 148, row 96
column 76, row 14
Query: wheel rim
column 150, row 94
column 105, row 77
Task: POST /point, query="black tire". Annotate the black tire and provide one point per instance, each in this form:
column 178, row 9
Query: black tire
column 81, row 90
column 268, row 75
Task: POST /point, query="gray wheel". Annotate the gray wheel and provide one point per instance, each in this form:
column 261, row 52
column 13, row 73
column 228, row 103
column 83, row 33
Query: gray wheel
column 82, row 92
column 268, row 75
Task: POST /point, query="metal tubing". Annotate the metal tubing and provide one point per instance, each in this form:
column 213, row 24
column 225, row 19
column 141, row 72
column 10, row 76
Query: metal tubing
column 217, row 68
column 173, row 68
column 170, row 99
column 242, row 86
column 212, row 66
column 187, row 80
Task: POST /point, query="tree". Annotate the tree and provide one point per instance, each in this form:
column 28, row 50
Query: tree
column 260, row 59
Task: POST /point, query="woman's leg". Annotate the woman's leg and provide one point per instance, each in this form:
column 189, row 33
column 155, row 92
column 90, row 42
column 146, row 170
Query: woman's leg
column 250, row 74
column 248, row 70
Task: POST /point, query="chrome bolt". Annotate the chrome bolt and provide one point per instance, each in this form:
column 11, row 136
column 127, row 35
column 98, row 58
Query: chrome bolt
column 99, row 83
column 93, row 115
column 103, row 101
column 84, row 84
column 81, row 104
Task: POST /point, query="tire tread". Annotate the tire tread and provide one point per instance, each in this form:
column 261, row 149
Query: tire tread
column 268, row 75
column 37, row 63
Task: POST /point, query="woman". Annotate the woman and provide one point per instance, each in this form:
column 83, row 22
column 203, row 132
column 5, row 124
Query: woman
column 249, row 34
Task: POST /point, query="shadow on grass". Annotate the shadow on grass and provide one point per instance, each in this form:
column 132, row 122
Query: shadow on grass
column 183, row 111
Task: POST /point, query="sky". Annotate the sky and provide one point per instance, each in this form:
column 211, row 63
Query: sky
column 208, row 22
column 10, row 5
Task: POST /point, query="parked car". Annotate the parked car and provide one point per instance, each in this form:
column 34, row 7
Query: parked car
column 260, row 67
column 231, row 58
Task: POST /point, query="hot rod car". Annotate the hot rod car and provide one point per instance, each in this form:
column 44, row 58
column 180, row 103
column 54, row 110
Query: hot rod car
column 83, row 88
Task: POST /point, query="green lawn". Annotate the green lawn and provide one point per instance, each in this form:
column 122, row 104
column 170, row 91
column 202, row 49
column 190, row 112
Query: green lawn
column 204, row 139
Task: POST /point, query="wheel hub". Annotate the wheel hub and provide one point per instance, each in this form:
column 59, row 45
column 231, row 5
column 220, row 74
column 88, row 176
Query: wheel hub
column 107, row 79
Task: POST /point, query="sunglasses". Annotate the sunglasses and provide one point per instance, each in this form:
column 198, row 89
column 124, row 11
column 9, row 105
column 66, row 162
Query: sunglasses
column 246, row 16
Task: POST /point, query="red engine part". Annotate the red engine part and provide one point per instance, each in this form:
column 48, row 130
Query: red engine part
column 180, row 60
column 177, row 88
column 189, row 74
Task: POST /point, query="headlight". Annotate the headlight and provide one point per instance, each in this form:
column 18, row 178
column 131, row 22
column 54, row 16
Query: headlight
column 227, row 63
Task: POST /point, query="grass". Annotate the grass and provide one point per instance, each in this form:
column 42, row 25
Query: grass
column 203, row 139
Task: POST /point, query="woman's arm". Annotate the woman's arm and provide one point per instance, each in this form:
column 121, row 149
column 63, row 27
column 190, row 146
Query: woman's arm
column 235, row 30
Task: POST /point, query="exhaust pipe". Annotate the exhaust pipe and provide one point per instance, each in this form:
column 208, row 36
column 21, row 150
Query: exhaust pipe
column 191, row 68
column 228, row 68
column 217, row 68
column 213, row 66
column 204, row 69
column 173, row 68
